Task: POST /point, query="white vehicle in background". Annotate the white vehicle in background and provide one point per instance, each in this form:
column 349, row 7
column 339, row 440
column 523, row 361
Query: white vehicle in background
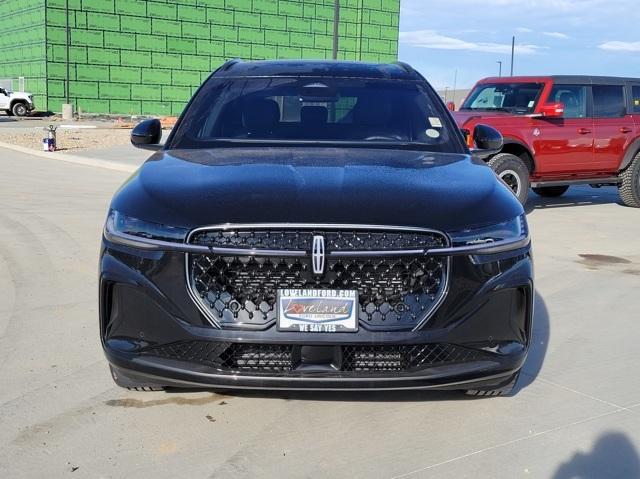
column 16, row 103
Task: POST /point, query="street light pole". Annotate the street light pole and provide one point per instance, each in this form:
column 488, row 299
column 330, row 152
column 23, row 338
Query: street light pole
column 499, row 68
column 336, row 32
column 513, row 49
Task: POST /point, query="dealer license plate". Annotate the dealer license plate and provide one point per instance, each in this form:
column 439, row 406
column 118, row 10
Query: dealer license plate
column 318, row 310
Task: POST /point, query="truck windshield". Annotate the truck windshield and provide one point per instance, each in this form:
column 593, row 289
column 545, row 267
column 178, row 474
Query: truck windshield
column 518, row 98
column 340, row 111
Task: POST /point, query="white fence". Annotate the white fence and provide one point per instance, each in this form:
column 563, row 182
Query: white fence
column 12, row 84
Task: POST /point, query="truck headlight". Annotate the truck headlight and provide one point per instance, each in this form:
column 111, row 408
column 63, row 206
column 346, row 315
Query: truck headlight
column 505, row 236
column 121, row 226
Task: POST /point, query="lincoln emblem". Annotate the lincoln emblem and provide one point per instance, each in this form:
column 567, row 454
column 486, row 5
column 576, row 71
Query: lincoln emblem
column 317, row 255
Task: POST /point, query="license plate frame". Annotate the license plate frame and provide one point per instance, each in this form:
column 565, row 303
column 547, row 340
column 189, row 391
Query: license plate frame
column 317, row 310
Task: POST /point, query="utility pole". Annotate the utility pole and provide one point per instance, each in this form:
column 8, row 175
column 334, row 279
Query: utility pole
column 455, row 84
column 446, row 89
column 336, row 23
column 68, row 33
column 499, row 68
column 513, row 49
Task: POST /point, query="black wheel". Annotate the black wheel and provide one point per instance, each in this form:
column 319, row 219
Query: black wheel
column 630, row 184
column 550, row 191
column 500, row 390
column 131, row 383
column 19, row 109
column 513, row 172
column 9, row 112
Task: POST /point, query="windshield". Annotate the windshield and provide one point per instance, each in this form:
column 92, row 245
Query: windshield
column 518, row 98
column 343, row 111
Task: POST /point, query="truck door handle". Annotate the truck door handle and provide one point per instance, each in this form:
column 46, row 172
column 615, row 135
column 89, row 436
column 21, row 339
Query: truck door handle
column 625, row 129
column 584, row 131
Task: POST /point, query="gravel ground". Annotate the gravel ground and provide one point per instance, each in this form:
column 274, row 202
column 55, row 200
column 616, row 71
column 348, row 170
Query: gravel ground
column 69, row 140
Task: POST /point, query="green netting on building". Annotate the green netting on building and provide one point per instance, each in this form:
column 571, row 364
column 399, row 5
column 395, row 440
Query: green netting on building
column 147, row 57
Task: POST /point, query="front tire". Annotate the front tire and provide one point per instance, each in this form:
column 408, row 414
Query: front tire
column 630, row 184
column 513, row 172
column 9, row 112
column 20, row 109
column 550, row 191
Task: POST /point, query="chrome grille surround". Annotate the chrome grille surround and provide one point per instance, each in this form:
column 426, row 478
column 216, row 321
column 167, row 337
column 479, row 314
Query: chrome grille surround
column 399, row 285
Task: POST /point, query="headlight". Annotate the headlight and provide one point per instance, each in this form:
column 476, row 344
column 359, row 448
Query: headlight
column 509, row 235
column 119, row 225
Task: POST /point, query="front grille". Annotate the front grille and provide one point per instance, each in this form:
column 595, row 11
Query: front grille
column 300, row 239
column 283, row 359
column 394, row 292
column 403, row 358
column 228, row 356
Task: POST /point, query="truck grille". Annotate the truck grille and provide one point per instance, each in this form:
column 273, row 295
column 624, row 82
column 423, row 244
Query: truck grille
column 285, row 358
column 395, row 290
column 300, row 239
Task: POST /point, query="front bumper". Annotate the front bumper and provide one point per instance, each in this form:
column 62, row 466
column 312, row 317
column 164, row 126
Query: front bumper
column 146, row 311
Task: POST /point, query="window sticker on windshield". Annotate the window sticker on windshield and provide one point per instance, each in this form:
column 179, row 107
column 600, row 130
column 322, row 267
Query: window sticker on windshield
column 435, row 122
column 431, row 133
column 531, row 103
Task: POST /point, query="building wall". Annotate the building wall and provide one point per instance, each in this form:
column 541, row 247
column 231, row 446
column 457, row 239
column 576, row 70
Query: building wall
column 147, row 57
column 22, row 45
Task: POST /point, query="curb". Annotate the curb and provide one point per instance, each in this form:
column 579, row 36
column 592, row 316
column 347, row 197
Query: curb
column 75, row 159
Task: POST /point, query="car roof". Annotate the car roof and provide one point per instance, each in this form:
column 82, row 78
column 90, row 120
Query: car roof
column 317, row 68
column 562, row 79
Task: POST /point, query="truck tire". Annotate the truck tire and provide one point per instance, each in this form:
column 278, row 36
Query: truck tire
column 19, row 109
column 550, row 191
column 513, row 172
column 9, row 112
column 630, row 184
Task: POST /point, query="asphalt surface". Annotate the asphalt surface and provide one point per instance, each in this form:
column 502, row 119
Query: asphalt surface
column 576, row 413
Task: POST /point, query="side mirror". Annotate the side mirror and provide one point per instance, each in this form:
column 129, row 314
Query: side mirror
column 147, row 134
column 488, row 141
column 552, row 110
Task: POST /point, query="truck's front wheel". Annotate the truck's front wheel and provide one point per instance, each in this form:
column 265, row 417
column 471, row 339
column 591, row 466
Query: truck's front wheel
column 513, row 172
column 19, row 109
column 630, row 184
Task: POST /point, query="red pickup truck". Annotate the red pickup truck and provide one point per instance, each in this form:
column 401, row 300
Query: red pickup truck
column 561, row 131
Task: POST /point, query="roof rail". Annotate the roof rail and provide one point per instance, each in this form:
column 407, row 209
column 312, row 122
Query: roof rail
column 229, row 63
column 406, row 67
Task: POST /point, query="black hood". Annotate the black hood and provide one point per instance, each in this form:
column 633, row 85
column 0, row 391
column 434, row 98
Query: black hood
column 191, row 188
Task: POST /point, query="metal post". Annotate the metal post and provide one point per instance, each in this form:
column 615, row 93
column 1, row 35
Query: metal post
column 336, row 23
column 513, row 48
column 499, row 68
column 455, row 86
column 66, row 5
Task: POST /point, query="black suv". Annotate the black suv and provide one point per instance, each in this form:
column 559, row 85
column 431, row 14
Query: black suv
column 316, row 225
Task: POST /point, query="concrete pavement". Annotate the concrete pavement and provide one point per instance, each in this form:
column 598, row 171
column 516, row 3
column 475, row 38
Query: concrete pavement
column 576, row 414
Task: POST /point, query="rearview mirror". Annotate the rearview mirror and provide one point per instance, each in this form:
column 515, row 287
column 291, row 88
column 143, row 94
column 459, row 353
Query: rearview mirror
column 487, row 141
column 552, row 110
column 147, row 134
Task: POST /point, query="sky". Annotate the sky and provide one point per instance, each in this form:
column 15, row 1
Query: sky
column 589, row 37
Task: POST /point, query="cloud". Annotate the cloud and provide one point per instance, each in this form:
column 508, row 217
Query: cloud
column 432, row 39
column 620, row 46
column 524, row 30
column 562, row 36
